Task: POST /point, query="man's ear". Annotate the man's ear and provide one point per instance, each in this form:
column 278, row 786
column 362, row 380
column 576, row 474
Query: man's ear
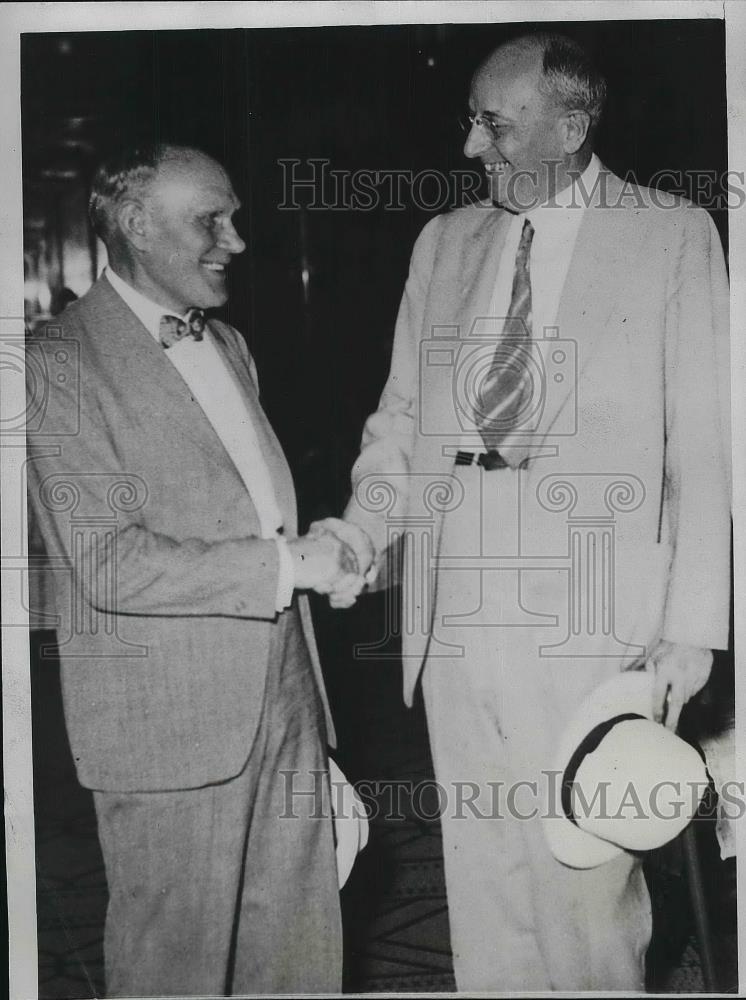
column 132, row 219
column 574, row 126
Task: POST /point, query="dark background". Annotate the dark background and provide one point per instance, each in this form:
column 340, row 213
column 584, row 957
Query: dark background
column 370, row 98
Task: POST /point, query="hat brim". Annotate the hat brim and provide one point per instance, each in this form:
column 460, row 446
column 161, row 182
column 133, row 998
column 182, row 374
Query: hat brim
column 350, row 823
column 626, row 693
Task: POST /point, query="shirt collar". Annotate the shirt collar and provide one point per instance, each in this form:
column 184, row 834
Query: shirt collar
column 148, row 312
column 575, row 195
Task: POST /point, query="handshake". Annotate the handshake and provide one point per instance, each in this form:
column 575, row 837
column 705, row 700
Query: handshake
column 334, row 558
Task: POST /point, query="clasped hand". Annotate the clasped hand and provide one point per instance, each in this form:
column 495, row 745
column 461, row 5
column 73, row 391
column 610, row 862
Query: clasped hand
column 334, row 558
column 680, row 672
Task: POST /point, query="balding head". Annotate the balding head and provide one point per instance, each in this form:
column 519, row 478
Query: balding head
column 562, row 71
column 538, row 100
column 130, row 173
column 519, row 56
column 166, row 216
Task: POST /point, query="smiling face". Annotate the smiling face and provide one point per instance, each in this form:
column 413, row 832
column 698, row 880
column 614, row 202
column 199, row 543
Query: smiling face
column 187, row 237
column 524, row 149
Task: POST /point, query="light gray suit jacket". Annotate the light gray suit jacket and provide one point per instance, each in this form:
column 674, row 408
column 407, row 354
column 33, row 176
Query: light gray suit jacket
column 165, row 591
column 644, row 310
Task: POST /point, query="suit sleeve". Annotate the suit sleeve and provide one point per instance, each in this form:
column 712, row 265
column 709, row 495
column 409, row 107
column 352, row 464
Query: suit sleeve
column 384, row 462
column 74, row 475
column 698, row 439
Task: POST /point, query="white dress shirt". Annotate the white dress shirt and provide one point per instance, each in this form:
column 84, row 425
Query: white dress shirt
column 556, row 225
column 214, row 387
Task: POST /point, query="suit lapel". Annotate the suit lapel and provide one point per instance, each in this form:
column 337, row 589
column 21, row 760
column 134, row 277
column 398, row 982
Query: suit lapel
column 269, row 444
column 132, row 355
column 461, row 295
column 480, row 262
column 126, row 346
column 606, row 248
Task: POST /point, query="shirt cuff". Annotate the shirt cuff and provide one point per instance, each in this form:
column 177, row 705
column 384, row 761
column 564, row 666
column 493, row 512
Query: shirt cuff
column 286, row 576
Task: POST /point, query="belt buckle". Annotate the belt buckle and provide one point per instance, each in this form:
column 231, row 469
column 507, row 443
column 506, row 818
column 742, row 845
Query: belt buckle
column 490, row 460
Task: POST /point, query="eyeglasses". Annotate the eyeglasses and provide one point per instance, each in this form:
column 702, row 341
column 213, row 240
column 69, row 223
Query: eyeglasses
column 483, row 121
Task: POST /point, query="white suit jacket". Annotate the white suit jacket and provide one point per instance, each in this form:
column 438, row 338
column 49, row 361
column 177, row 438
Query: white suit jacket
column 634, row 424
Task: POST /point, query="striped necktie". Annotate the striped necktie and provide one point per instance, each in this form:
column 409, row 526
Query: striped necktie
column 506, row 390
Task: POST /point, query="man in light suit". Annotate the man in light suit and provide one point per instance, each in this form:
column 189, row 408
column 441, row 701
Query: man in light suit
column 192, row 688
column 551, row 444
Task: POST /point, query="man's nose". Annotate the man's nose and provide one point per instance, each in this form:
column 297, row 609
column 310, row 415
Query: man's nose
column 230, row 240
column 477, row 141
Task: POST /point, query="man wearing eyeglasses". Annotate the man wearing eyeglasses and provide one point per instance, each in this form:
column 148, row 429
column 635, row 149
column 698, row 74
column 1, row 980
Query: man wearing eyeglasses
column 552, row 442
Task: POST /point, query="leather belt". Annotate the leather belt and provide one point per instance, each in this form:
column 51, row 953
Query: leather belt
column 487, row 459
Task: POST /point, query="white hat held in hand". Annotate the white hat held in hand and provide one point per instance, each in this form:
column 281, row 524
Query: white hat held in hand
column 623, row 781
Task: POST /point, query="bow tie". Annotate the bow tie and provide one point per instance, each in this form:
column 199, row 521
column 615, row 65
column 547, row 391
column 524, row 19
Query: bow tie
column 174, row 328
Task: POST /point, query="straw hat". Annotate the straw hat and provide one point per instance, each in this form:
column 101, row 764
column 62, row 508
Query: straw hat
column 623, row 781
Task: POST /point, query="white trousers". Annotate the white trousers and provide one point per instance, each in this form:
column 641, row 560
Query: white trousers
column 519, row 919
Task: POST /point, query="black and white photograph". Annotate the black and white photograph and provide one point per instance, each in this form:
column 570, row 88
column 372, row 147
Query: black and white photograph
column 371, row 438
